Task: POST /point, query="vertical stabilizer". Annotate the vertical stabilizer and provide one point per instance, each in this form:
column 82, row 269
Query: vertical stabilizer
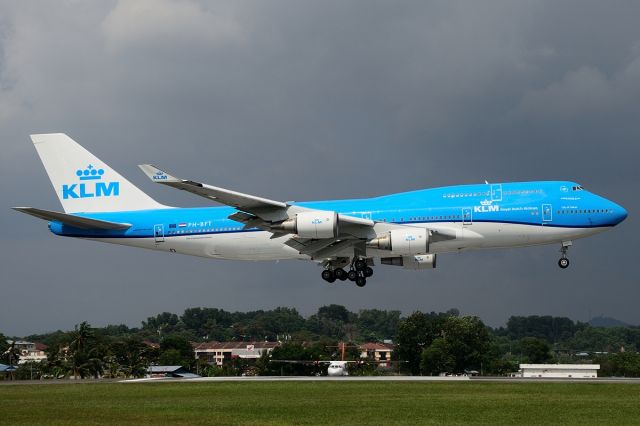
column 82, row 182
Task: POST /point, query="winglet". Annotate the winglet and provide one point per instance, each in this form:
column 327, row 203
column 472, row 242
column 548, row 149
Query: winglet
column 157, row 175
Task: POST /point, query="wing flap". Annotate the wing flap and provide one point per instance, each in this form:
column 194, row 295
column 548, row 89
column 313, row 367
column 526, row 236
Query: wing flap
column 72, row 220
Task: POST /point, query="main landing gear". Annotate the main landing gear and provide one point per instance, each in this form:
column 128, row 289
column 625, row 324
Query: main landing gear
column 564, row 261
column 358, row 273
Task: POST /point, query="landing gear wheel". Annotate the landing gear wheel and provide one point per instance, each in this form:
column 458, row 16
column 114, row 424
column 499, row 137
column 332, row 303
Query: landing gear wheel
column 360, row 265
column 328, row 275
column 564, row 262
column 340, row 274
column 368, row 272
column 361, row 281
column 352, row 275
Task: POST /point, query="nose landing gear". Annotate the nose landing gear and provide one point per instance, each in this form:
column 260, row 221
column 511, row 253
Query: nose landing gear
column 564, row 262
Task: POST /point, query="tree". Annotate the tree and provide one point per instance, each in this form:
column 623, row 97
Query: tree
column 377, row 325
column 80, row 337
column 85, row 358
column 437, row 358
column 553, row 329
column 281, row 357
column 334, row 312
column 536, row 350
column 211, row 323
column 626, row 364
column 165, row 322
column 130, row 356
column 9, row 353
column 463, row 346
column 468, row 341
column 415, row 333
column 3, row 347
column 176, row 350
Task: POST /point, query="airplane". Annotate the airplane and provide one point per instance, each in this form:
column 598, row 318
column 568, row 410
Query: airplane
column 407, row 229
column 336, row 368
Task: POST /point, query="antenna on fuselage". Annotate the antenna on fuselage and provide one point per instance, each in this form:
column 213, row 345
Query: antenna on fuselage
column 485, row 181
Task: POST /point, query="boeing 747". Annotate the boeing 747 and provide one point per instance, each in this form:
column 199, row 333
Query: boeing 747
column 346, row 237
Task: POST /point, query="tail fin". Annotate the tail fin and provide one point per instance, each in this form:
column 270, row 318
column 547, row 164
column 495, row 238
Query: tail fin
column 83, row 182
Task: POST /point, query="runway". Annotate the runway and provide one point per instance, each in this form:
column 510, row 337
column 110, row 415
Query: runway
column 384, row 379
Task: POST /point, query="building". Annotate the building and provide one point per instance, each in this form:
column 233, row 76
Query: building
column 29, row 351
column 573, row 371
column 6, row 370
column 219, row 353
column 177, row 371
column 376, row 351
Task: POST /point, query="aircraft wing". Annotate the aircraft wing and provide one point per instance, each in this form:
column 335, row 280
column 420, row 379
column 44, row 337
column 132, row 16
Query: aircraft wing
column 72, row 220
column 263, row 211
column 244, row 202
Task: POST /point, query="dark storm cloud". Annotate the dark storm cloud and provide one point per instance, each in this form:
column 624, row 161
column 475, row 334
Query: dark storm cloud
column 298, row 101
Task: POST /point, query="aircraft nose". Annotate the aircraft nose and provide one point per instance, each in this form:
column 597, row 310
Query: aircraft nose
column 619, row 213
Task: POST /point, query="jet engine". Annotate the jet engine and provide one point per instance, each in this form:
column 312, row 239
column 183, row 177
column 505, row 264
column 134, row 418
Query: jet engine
column 423, row 261
column 406, row 241
column 313, row 224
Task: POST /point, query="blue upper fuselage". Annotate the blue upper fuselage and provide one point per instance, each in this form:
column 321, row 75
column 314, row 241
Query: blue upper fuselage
column 544, row 203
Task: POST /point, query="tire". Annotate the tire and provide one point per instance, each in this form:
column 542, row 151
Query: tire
column 368, row 271
column 352, row 275
column 340, row 274
column 360, row 265
column 328, row 275
column 563, row 263
column 361, row 281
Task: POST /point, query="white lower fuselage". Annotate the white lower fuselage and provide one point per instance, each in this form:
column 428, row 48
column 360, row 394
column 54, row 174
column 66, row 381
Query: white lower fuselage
column 258, row 245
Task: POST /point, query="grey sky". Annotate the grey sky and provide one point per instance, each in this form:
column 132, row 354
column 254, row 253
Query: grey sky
column 316, row 100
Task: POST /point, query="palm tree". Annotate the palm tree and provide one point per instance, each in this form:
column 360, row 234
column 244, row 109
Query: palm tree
column 12, row 354
column 80, row 338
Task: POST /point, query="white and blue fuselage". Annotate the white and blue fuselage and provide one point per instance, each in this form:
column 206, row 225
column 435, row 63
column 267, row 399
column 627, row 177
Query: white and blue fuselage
column 483, row 216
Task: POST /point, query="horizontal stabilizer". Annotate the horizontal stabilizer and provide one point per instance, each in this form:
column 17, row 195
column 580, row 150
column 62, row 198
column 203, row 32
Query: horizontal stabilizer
column 72, row 220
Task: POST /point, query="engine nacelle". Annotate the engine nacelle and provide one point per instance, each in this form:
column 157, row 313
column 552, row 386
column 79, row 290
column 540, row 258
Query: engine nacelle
column 408, row 241
column 423, row 261
column 314, row 224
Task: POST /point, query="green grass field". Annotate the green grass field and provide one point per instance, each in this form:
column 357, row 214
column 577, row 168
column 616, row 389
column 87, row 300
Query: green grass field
column 333, row 403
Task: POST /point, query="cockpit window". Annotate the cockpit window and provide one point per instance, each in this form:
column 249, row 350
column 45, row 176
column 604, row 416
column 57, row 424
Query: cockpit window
column 578, row 188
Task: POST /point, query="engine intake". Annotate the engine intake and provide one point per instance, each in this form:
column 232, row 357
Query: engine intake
column 314, row 224
column 402, row 241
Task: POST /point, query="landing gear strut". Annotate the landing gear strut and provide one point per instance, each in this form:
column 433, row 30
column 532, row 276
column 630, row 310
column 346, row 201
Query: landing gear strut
column 564, row 261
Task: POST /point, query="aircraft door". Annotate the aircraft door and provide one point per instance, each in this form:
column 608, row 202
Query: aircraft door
column 496, row 192
column 158, row 233
column 547, row 213
column 467, row 217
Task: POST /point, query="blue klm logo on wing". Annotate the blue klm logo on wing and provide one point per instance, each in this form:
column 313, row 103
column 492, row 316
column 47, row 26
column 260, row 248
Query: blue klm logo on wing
column 90, row 185
column 160, row 175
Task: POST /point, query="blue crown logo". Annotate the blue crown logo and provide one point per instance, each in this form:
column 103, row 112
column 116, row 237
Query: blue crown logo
column 90, row 173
